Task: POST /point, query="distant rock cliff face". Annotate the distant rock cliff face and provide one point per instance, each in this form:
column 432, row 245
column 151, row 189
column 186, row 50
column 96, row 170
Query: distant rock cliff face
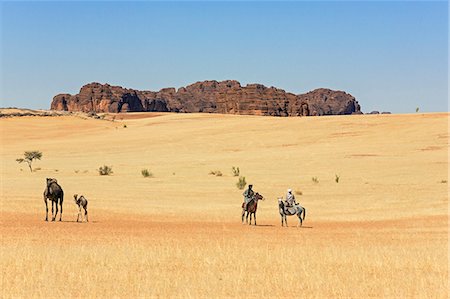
column 227, row 97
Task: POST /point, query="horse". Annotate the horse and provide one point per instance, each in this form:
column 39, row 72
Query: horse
column 289, row 211
column 54, row 192
column 251, row 208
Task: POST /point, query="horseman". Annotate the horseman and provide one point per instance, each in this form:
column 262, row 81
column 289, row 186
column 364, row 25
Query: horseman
column 248, row 196
column 290, row 198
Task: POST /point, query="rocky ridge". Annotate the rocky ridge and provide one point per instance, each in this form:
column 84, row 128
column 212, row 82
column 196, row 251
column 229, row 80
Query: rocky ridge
column 227, row 97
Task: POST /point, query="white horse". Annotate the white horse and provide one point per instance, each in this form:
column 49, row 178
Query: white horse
column 290, row 211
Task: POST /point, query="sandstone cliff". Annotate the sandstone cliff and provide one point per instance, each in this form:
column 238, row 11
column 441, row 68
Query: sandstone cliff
column 227, row 97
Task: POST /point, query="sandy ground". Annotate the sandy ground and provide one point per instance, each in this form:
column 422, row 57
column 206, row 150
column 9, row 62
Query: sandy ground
column 381, row 231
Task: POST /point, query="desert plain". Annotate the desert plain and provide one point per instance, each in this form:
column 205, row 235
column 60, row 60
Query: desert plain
column 381, row 231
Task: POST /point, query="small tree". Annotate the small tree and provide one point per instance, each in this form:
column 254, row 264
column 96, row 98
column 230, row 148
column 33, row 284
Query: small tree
column 336, row 178
column 28, row 157
column 235, row 171
column 417, row 109
column 241, row 183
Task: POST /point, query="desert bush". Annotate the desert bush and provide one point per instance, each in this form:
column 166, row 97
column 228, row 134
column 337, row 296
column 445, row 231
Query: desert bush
column 215, row 172
column 444, row 182
column 105, row 170
column 298, row 192
column 235, row 171
column 146, row 173
column 28, row 158
column 315, row 179
column 76, row 171
column 336, row 178
column 124, row 125
column 241, row 183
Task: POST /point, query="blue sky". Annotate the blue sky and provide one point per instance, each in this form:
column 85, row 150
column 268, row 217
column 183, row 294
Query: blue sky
column 392, row 56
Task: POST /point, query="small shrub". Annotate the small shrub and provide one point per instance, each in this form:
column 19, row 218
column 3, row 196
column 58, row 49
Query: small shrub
column 146, row 173
column 444, row 182
column 315, row 180
column 241, row 182
column 235, row 171
column 336, row 178
column 124, row 125
column 105, row 170
column 417, row 109
column 215, row 172
column 298, row 192
column 56, row 170
column 76, row 171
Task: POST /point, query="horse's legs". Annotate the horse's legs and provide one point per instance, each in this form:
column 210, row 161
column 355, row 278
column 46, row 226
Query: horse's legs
column 86, row 215
column 254, row 217
column 285, row 220
column 243, row 214
column 300, row 222
column 282, row 223
column 246, row 217
column 46, row 209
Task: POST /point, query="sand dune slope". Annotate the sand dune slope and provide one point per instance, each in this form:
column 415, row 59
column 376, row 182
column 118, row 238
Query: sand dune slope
column 380, row 231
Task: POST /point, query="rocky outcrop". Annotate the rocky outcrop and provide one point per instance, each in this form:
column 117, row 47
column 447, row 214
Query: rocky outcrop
column 227, row 97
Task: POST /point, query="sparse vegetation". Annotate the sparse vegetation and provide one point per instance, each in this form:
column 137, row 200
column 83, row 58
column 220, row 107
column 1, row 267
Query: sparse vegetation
column 105, row 170
column 315, row 180
column 76, row 171
column 215, row 172
column 298, row 192
column 241, row 182
column 336, row 178
column 236, row 171
column 28, row 158
column 444, row 182
column 146, row 173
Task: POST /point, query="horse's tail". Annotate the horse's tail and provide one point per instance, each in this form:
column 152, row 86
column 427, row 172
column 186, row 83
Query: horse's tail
column 304, row 213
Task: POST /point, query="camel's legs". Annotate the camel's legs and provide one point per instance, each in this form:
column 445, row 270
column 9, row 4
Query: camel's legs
column 60, row 213
column 53, row 217
column 46, row 209
column 79, row 214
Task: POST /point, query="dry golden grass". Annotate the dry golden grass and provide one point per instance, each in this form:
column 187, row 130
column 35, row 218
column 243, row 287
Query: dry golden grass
column 382, row 231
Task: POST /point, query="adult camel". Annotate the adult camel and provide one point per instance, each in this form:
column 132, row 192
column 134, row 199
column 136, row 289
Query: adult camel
column 252, row 206
column 54, row 192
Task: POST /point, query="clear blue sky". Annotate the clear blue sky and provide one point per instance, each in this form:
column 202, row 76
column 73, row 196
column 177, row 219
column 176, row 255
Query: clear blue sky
column 392, row 56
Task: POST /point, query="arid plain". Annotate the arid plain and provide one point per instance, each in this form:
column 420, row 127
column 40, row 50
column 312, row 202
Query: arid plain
column 381, row 231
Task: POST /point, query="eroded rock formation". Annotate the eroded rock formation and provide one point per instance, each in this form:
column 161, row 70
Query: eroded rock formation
column 227, row 97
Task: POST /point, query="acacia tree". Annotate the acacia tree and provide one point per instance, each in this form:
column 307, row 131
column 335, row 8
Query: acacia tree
column 28, row 157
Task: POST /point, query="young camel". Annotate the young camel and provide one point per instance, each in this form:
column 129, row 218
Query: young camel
column 81, row 202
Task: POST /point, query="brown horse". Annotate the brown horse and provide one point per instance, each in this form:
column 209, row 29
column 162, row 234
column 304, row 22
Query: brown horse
column 252, row 206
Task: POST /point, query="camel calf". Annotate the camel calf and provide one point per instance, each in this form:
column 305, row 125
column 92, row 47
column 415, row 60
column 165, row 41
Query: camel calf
column 81, row 202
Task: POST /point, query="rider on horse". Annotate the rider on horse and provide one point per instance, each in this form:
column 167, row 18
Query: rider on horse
column 248, row 196
column 290, row 198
